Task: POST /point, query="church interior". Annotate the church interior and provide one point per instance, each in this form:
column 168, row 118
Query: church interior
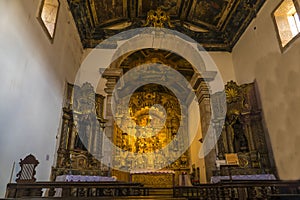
column 183, row 99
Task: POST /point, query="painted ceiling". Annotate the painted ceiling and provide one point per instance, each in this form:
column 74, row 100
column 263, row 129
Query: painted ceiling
column 215, row 24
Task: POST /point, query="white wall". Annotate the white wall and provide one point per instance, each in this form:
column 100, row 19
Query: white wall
column 223, row 61
column 257, row 56
column 33, row 73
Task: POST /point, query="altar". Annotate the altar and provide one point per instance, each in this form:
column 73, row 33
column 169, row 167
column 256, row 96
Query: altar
column 150, row 178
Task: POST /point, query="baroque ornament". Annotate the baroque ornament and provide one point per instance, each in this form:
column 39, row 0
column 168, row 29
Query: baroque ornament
column 158, row 18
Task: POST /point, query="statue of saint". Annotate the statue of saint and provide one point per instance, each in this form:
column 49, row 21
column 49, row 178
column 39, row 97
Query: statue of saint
column 237, row 141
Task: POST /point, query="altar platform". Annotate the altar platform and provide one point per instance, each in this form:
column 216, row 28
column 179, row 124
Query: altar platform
column 155, row 179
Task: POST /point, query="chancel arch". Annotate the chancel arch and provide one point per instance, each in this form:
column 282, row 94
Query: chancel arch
column 175, row 61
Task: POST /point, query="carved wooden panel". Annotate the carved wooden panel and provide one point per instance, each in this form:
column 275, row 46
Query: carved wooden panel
column 243, row 132
column 158, row 180
column 81, row 136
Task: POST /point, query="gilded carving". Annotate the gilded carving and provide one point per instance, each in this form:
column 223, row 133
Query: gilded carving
column 243, row 133
column 163, row 180
column 158, row 18
column 80, row 141
column 149, row 140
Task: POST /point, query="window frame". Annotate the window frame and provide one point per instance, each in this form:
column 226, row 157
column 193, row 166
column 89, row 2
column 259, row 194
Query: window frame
column 284, row 48
column 39, row 17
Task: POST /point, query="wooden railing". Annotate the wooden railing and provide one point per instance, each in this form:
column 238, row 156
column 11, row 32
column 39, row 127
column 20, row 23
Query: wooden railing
column 74, row 189
column 241, row 190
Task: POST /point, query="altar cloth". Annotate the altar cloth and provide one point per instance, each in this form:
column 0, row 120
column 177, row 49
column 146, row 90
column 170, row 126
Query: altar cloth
column 81, row 178
column 144, row 171
column 216, row 179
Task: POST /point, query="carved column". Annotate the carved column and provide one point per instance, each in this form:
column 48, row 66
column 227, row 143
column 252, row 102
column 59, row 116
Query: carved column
column 249, row 135
column 92, row 133
column 64, row 131
column 62, row 156
column 95, row 140
column 73, row 136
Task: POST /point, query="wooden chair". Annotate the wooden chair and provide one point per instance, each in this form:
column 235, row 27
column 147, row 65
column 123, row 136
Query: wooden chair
column 27, row 172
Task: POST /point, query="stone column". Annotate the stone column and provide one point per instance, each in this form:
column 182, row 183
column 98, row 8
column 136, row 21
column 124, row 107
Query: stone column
column 205, row 116
column 202, row 91
column 112, row 76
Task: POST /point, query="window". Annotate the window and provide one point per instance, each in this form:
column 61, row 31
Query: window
column 48, row 16
column 287, row 22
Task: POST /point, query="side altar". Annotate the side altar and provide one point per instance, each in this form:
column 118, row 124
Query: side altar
column 81, row 134
column 243, row 135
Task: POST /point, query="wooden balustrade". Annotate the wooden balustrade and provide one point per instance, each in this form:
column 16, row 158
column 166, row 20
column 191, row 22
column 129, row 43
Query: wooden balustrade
column 263, row 190
column 241, row 190
column 74, row 189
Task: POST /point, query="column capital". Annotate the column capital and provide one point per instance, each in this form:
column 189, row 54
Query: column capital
column 112, row 73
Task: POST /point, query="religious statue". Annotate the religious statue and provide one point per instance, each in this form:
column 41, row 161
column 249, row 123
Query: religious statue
column 240, row 141
column 80, row 141
column 237, row 139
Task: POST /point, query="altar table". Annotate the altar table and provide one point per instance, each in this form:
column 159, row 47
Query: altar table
column 150, row 178
column 216, row 179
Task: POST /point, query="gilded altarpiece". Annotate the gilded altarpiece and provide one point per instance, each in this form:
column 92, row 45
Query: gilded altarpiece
column 244, row 133
column 146, row 142
column 81, row 136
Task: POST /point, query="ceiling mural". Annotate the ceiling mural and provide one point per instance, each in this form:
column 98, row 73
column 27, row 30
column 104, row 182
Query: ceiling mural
column 106, row 10
column 215, row 24
column 148, row 56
